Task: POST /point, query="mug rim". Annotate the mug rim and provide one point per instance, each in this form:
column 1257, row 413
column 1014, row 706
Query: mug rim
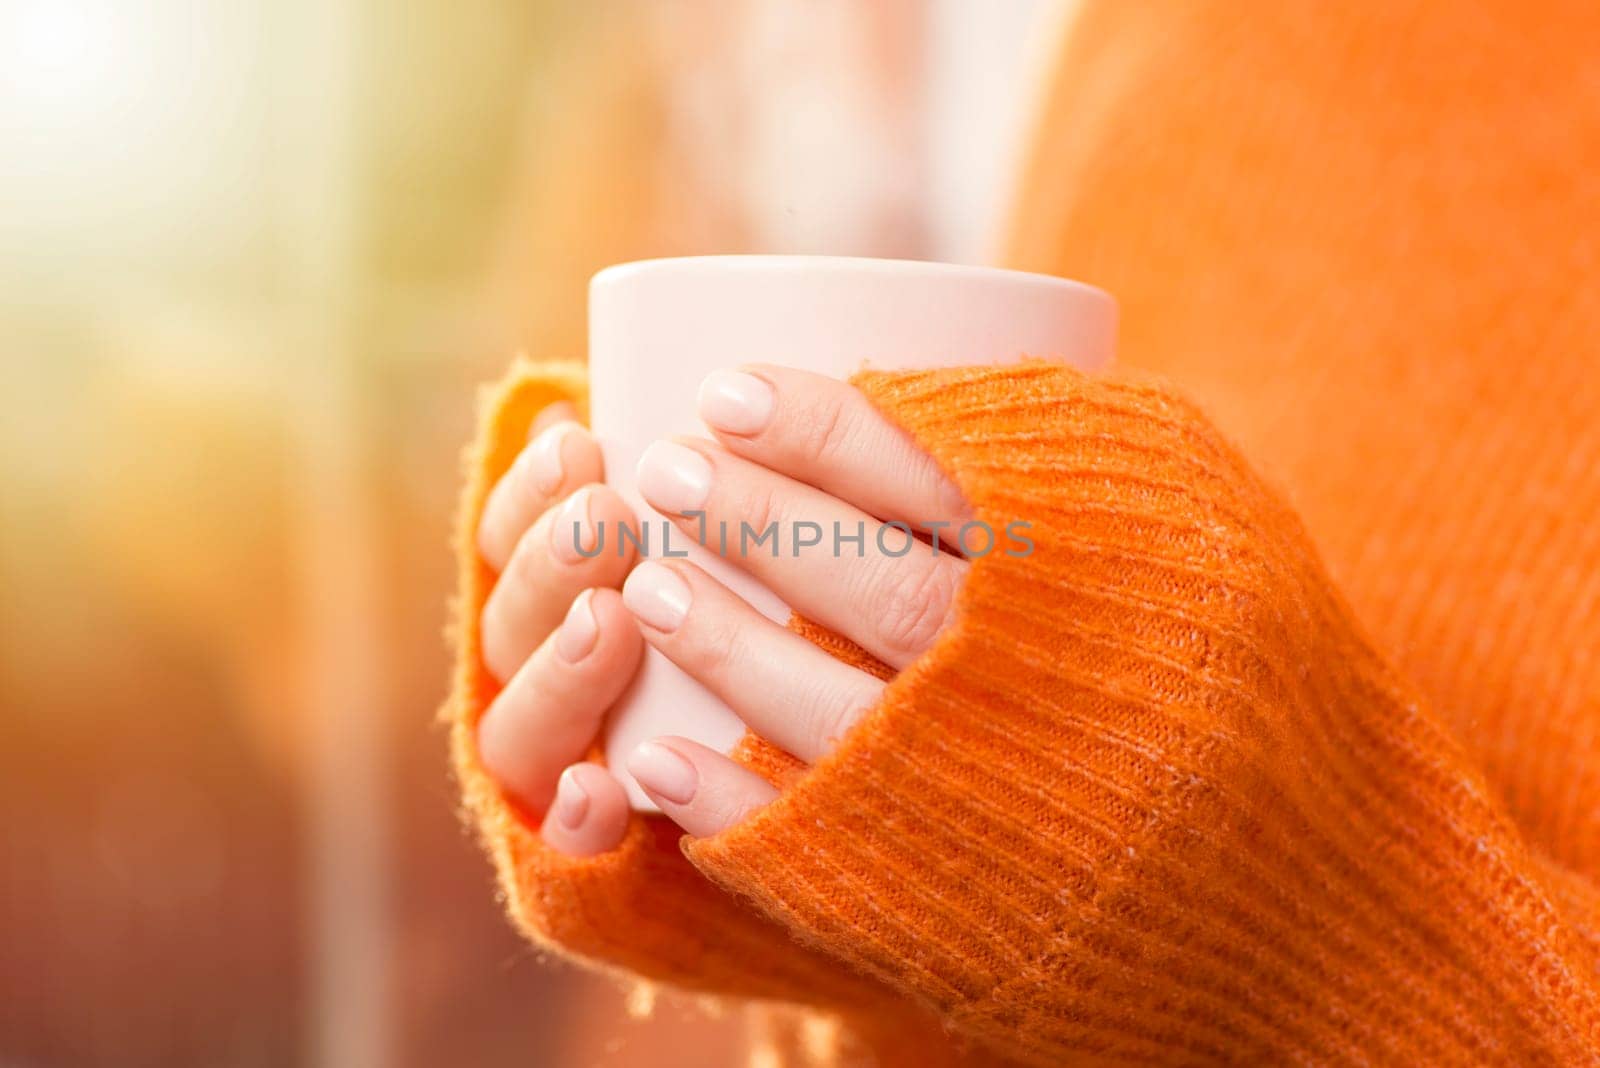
column 618, row 273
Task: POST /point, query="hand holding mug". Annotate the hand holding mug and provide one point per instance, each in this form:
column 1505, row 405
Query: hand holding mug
column 792, row 451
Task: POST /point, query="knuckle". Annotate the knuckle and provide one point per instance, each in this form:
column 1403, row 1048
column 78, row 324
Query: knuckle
column 759, row 506
column 581, row 447
column 520, row 482
column 499, row 652
column 606, row 502
column 831, row 724
column 824, row 430
column 916, row 607
column 942, row 489
column 497, row 524
column 716, row 649
column 721, row 807
column 523, row 571
column 490, row 543
column 518, row 598
column 610, row 515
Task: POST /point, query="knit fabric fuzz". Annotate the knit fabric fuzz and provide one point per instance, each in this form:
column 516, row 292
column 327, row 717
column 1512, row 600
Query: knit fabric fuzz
column 1152, row 797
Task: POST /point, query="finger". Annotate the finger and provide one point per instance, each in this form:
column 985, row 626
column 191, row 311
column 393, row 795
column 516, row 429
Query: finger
column 548, row 714
column 550, row 415
column 700, row 789
column 881, row 588
column 590, row 812
column 556, row 462
column 825, row 433
column 571, row 548
column 786, row 689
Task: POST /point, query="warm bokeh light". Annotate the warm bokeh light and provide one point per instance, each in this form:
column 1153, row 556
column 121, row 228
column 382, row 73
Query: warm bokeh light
column 58, row 51
column 64, row 63
column 254, row 258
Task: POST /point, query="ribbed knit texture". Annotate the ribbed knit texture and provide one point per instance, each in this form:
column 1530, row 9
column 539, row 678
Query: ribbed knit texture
column 1167, row 792
column 1359, row 236
column 1151, row 797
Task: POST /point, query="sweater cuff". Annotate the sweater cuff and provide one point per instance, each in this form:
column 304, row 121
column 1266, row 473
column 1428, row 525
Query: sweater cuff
column 1151, row 797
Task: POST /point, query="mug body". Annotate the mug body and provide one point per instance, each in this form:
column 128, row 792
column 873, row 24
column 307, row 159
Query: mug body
column 658, row 327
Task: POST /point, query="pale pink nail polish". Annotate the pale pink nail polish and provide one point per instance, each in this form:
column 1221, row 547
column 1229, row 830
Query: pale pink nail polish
column 575, row 638
column 736, row 402
column 544, row 458
column 571, row 532
column 673, row 478
column 572, row 801
column 657, row 596
column 664, row 772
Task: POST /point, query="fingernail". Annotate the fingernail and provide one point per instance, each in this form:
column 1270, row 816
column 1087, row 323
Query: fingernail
column 673, row 478
column 572, row 800
column 664, row 772
column 571, row 532
column 575, row 638
column 544, row 457
column 657, row 596
column 735, row 402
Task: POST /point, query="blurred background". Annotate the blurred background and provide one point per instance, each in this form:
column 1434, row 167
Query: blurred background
column 255, row 256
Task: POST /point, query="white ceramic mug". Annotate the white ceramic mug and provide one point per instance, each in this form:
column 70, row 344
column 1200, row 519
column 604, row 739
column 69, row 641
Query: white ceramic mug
column 657, row 327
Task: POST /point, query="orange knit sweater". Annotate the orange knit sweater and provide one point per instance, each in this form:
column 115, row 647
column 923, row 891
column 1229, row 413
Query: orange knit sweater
column 1205, row 779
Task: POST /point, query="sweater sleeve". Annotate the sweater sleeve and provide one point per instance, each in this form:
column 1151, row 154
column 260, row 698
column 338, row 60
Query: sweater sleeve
column 1153, row 797
column 640, row 911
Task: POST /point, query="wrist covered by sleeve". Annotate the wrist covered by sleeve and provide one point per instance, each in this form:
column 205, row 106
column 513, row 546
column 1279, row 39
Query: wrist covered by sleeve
column 1152, row 796
column 640, row 910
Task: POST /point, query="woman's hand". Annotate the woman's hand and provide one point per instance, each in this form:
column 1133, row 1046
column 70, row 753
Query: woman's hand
column 806, row 453
column 794, row 450
column 555, row 632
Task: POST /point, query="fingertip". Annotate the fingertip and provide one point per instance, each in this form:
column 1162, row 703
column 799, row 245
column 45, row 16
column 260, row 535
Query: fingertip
column 579, row 632
column 581, row 458
column 665, row 772
column 618, row 631
column 561, row 458
column 550, row 415
column 549, row 711
column 736, row 402
column 589, row 814
column 558, row 459
column 489, row 550
column 497, row 747
column 611, row 513
column 700, row 789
